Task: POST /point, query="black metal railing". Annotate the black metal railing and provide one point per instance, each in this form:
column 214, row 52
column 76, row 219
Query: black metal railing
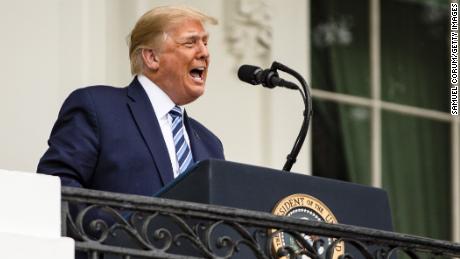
column 130, row 226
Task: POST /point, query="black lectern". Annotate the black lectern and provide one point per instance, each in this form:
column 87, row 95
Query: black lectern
column 248, row 187
column 256, row 188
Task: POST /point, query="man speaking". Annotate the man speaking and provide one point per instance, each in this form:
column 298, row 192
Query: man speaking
column 139, row 138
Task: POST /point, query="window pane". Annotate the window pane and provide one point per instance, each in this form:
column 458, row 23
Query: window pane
column 415, row 53
column 416, row 174
column 340, row 46
column 341, row 147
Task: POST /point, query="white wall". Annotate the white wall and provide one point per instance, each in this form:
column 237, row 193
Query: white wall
column 40, row 231
column 51, row 47
column 29, row 79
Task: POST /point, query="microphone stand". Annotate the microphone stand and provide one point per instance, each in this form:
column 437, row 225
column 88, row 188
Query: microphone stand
column 306, row 96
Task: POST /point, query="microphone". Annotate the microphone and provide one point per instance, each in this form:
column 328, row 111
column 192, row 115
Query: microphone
column 268, row 78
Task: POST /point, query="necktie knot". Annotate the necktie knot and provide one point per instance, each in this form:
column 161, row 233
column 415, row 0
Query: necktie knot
column 175, row 112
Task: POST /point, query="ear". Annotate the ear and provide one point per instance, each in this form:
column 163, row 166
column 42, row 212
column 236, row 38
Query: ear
column 151, row 59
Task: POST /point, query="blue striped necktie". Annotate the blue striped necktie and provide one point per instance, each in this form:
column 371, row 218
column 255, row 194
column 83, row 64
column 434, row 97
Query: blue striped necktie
column 183, row 153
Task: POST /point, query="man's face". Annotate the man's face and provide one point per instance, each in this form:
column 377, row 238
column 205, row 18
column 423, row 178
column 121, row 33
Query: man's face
column 183, row 62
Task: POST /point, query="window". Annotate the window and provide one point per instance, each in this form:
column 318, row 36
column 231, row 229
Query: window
column 381, row 91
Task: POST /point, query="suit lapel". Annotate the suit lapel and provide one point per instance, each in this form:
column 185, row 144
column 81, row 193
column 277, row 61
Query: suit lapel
column 145, row 118
column 198, row 150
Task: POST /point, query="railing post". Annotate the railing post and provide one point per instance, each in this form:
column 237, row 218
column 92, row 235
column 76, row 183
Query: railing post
column 64, row 213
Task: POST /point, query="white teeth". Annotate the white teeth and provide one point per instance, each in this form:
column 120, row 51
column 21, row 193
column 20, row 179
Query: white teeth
column 197, row 73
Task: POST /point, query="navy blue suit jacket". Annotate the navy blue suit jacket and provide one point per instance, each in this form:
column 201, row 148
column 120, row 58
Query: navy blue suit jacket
column 108, row 139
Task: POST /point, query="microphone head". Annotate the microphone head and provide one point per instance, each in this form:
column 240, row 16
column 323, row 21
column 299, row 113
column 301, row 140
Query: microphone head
column 248, row 74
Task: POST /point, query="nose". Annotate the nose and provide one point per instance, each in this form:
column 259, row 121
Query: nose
column 203, row 52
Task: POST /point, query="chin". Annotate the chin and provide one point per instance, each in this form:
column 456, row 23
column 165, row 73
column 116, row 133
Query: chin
column 190, row 97
column 196, row 91
column 195, row 96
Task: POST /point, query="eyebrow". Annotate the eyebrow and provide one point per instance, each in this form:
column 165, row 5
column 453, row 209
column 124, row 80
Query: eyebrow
column 193, row 35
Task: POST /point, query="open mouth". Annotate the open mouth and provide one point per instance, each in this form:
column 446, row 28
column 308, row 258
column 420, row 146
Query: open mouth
column 197, row 73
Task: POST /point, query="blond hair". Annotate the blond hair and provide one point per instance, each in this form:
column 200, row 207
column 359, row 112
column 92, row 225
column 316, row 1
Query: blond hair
column 151, row 28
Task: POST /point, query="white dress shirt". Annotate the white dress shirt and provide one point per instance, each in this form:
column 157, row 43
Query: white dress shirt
column 162, row 104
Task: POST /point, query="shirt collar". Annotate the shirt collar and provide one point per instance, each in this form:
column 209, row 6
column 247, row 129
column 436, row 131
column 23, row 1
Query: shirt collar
column 161, row 102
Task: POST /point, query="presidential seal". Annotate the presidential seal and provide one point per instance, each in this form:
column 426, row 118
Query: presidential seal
column 306, row 207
